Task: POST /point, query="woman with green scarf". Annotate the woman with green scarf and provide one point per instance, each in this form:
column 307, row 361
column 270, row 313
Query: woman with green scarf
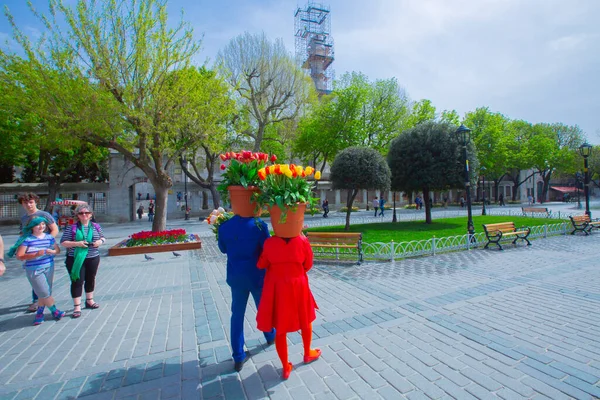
column 83, row 258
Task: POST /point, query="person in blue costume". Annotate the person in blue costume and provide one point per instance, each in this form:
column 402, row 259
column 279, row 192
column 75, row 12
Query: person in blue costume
column 242, row 240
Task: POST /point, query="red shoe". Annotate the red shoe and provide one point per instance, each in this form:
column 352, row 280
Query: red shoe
column 287, row 371
column 316, row 353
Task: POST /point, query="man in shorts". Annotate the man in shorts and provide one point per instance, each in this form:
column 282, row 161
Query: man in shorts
column 29, row 203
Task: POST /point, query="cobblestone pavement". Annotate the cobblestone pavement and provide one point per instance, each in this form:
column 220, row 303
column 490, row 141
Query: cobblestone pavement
column 522, row 323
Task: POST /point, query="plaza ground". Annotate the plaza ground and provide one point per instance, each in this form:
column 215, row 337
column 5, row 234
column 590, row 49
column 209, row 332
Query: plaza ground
column 522, row 323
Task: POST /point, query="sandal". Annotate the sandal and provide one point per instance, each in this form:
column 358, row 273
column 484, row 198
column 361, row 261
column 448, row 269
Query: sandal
column 93, row 304
column 76, row 314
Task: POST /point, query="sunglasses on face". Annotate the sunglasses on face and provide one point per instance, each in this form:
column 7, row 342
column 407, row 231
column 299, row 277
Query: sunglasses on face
column 84, row 213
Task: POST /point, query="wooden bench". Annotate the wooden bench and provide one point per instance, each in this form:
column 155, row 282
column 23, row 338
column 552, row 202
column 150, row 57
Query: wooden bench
column 583, row 223
column 337, row 240
column 496, row 232
column 536, row 210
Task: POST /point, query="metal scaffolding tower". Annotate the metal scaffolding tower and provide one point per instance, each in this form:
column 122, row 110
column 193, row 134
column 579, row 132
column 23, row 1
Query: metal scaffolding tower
column 314, row 45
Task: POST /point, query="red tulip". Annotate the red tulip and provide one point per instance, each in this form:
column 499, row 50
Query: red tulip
column 273, row 158
column 223, row 167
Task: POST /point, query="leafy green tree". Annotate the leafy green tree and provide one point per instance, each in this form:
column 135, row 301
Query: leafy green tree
column 357, row 168
column 357, row 113
column 426, row 158
column 421, row 111
column 555, row 146
column 39, row 143
column 116, row 58
column 269, row 85
column 519, row 156
column 488, row 131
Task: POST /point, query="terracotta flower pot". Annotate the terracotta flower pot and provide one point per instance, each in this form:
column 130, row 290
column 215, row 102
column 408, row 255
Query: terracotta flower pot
column 240, row 199
column 293, row 224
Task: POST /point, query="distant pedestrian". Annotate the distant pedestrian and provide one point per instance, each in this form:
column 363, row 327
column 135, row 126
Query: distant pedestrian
column 325, row 208
column 140, row 211
column 151, row 211
column 501, row 199
column 530, row 199
column 139, row 196
column 462, row 202
column 445, row 202
column 381, row 204
column 375, row 205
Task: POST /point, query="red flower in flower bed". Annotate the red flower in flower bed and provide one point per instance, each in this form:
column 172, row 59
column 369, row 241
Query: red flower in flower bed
column 146, row 238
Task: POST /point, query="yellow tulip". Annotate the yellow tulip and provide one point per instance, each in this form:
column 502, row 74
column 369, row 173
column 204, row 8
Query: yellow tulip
column 309, row 170
column 318, row 175
column 271, row 169
column 299, row 170
column 288, row 173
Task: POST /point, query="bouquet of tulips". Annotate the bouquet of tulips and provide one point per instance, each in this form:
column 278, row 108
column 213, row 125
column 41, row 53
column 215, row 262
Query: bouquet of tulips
column 242, row 169
column 286, row 185
column 216, row 218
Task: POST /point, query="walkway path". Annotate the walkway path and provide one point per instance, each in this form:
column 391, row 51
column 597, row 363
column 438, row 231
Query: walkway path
column 523, row 323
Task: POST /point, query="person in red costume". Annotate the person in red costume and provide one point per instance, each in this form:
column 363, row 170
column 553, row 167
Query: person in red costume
column 287, row 304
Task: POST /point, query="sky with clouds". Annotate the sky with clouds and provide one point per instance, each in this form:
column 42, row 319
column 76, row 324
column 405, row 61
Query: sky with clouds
column 536, row 60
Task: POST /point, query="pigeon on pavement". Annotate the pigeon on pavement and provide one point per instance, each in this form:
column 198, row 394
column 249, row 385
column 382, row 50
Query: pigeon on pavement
column 147, row 257
column 176, row 254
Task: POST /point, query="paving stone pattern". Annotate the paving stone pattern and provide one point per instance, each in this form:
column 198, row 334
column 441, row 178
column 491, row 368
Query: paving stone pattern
column 519, row 323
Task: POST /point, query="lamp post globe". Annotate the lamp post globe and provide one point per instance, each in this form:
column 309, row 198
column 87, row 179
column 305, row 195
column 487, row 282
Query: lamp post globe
column 586, row 150
column 464, row 136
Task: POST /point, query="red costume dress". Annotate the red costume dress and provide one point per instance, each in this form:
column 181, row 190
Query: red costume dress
column 287, row 303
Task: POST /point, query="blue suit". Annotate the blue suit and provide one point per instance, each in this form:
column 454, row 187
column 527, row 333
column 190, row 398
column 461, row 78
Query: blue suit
column 242, row 240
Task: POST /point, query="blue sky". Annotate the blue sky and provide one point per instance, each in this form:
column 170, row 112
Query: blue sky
column 536, row 60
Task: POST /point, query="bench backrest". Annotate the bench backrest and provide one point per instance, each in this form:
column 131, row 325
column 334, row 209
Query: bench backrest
column 535, row 209
column 500, row 227
column 581, row 218
column 334, row 237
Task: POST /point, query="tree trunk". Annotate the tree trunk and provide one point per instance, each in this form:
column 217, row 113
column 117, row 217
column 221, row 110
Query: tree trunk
column 427, row 205
column 204, row 200
column 349, row 203
column 215, row 196
column 53, row 187
column 160, row 206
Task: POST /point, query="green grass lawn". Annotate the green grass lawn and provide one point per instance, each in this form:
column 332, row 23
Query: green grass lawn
column 405, row 231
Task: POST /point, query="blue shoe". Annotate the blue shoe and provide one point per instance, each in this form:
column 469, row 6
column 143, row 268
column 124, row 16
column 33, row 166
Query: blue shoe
column 39, row 318
column 58, row 314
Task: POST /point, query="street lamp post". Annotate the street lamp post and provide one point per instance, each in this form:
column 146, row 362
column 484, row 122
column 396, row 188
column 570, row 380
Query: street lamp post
column 586, row 150
column 483, row 211
column 577, row 184
column 464, row 135
column 394, row 213
column 184, row 165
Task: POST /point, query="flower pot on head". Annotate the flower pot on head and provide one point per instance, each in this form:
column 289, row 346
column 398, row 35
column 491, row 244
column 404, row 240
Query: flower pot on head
column 292, row 223
column 241, row 201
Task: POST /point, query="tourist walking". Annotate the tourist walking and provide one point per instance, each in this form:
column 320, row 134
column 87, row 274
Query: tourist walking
column 381, row 204
column 37, row 249
column 325, row 208
column 82, row 240
column 375, row 205
column 151, row 211
column 242, row 239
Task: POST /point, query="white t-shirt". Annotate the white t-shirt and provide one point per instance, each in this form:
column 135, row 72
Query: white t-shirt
column 375, row 203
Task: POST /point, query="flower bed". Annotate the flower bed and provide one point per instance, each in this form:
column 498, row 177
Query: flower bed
column 156, row 242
